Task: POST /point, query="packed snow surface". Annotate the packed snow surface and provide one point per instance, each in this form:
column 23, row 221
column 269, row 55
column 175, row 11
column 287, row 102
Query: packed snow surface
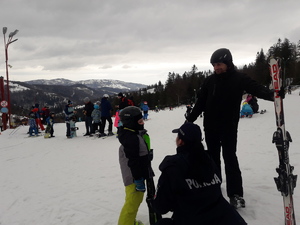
column 60, row 181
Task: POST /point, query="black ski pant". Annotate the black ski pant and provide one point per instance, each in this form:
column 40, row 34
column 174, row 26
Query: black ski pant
column 51, row 130
column 89, row 125
column 227, row 139
column 68, row 129
column 103, row 122
column 97, row 126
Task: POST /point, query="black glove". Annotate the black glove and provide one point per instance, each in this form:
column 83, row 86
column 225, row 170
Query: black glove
column 281, row 92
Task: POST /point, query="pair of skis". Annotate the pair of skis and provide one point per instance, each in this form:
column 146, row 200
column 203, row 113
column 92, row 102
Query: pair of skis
column 153, row 216
column 286, row 181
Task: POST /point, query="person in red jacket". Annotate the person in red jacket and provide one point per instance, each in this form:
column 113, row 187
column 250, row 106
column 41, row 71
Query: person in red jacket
column 37, row 114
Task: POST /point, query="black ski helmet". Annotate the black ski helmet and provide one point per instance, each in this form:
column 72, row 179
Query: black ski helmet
column 222, row 55
column 130, row 115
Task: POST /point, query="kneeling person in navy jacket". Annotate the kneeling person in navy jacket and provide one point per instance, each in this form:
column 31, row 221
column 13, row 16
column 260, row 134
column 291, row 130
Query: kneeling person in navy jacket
column 190, row 185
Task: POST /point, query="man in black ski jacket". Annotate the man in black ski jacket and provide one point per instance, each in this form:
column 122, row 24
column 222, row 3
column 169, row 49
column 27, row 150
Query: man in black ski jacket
column 87, row 111
column 123, row 101
column 190, row 185
column 220, row 98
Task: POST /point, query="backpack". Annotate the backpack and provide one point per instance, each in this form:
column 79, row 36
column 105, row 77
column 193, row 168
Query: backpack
column 130, row 102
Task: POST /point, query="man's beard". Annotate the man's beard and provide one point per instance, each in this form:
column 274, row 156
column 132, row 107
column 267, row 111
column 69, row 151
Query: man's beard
column 220, row 71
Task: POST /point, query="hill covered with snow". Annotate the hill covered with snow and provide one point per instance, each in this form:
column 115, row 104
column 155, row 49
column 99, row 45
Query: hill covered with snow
column 77, row 181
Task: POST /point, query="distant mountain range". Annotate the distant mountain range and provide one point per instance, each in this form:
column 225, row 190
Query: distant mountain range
column 91, row 83
column 56, row 92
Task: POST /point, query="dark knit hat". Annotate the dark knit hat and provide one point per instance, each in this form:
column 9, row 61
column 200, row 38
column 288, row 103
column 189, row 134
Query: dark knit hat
column 189, row 133
column 120, row 94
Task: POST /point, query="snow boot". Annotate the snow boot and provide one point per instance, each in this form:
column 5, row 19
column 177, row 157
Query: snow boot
column 102, row 135
column 110, row 134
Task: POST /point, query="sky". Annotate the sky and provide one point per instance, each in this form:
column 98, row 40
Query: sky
column 60, row 181
column 137, row 41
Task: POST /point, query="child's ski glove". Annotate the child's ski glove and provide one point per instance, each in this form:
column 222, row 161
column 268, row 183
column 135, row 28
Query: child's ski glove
column 281, row 92
column 140, row 185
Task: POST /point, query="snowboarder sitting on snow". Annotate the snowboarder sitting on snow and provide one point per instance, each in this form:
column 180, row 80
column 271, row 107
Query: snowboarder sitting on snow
column 252, row 101
column 135, row 162
column 50, row 123
column 190, row 185
column 246, row 110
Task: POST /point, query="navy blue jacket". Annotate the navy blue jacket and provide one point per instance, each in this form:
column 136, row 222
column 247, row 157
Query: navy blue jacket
column 192, row 201
column 88, row 108
column 105, row 108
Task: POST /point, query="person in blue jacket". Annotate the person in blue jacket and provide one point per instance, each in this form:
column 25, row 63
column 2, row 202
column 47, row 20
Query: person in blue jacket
column 246, row 110
column 190, row 185
column 145, row 109
column 32, row 125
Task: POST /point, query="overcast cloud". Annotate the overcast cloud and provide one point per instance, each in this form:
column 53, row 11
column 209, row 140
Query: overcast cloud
column 138, row 40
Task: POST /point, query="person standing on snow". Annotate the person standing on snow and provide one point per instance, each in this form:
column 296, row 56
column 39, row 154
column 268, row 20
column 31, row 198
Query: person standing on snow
column 122, row 101
column 50, row 122
column 96, row 115
column 32, row 125
column 190, row 185
column 37, row 113
column 224, row 90
column 69, row 113
column 134, row 161
column 87, row 111
column 105, row 115
column 45, row 114
column 145, row 109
